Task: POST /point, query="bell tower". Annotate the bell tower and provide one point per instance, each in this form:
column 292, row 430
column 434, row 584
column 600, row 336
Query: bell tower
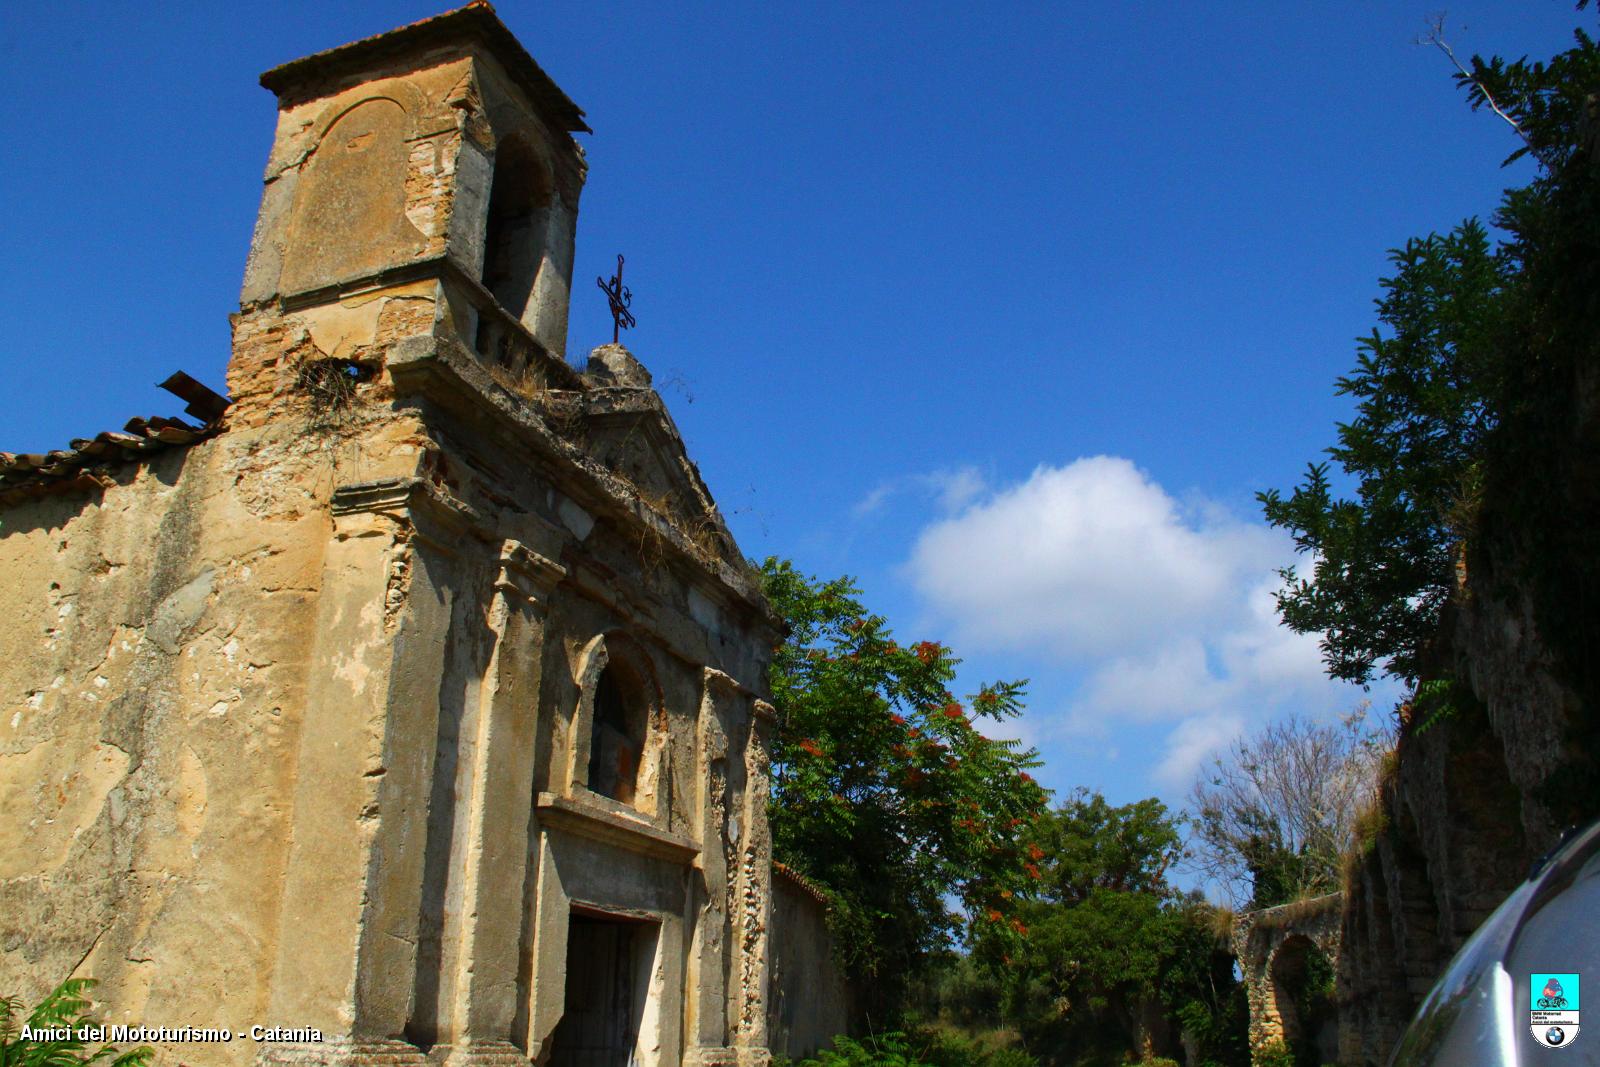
column 423, row 181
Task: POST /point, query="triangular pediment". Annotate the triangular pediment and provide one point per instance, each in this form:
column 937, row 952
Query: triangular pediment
column 628, row 432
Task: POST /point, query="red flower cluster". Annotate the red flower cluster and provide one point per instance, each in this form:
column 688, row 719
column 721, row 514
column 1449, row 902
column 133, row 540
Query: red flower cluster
column 811, row 746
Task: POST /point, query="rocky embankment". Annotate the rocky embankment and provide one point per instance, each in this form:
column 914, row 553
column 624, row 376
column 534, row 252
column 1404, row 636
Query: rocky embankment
column 1492, row 781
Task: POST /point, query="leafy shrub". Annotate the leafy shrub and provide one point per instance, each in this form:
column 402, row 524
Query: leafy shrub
column 895, row 1048
column 1008, row 1057
column 65, row 1008
column 943, row 1048
column 1276, row 1054
column 888, row 1049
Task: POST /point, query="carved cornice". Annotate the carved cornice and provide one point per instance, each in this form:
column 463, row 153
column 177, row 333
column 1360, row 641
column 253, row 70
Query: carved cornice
column 721, row 683
column 527, row 574
column 389, row 494
column 447, row 373
column 416, row 502
column 575, row 816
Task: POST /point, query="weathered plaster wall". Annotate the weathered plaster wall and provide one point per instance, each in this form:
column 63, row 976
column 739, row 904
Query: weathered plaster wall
column 302, row 714
column 155, row 678
column 809, row 1000
column 359, row 181
column 271, row 770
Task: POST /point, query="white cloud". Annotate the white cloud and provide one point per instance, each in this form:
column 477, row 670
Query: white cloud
column 1161, row 607
column 1265, row 652
column 956, row 488
column 1191, row 744
column 952, row 489
column 1089, row 559
column 1170, row 679
column 873, row 501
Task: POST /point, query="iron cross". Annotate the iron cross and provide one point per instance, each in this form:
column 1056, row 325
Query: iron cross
column 619, row 297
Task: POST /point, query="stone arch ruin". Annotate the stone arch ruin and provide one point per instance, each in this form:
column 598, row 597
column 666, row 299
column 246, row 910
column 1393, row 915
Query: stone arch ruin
column 1276, row 949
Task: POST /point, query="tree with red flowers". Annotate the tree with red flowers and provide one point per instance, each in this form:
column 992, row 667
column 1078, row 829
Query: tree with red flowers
column 885, row 792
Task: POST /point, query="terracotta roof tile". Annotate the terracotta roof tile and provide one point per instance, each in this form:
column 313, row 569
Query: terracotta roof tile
column 85, row 465
column 800, row 881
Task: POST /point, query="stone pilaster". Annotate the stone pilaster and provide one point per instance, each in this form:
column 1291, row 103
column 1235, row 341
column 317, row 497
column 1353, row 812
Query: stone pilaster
column 347, row 948
column 548, row 968
column 753, row 896
column 495, row 864
column 706, row 1041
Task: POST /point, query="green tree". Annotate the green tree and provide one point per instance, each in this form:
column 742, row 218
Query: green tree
column 1383, row 561
column 885, row 792
column 1198, row 990
column 1112, row 961
column 1535, row 534
column 1092, row 846
column 1469, row 389
column 64, row 1010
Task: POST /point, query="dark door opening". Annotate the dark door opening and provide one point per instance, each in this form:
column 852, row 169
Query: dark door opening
column 608, row 969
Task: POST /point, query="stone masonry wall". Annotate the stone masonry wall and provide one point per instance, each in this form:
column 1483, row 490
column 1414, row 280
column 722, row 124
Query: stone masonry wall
column 1270, row 945
column 1464, row 817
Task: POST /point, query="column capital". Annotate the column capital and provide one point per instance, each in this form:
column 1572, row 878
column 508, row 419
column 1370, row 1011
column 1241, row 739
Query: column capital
column 527, row 574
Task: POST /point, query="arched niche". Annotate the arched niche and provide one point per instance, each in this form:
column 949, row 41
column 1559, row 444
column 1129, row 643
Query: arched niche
column 516, row 230
column 617, row 739
column 349, row 215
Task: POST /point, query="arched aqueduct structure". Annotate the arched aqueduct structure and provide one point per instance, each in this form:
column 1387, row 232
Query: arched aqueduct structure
column 1275, row 947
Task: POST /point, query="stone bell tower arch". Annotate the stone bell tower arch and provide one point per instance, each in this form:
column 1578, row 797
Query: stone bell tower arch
column 434, row 164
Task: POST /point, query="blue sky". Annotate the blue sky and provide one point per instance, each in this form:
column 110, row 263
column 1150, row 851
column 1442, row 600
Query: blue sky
column 1005, row 310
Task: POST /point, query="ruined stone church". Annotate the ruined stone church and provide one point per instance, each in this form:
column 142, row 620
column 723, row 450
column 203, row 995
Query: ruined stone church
column 405, row 705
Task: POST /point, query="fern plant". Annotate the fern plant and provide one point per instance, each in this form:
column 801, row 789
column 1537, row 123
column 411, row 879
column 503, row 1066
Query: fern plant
column 65, row 1009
